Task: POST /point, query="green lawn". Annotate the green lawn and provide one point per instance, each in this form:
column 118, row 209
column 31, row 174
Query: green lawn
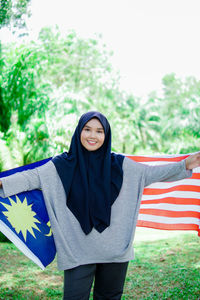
column 165, row 267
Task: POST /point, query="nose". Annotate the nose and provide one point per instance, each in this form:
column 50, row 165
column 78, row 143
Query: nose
column 92, row 134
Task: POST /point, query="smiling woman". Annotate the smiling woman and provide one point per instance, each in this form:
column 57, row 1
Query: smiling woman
column 93, row 198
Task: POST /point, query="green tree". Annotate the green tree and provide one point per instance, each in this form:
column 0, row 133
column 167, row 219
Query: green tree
column 179, row 108
column 47, row 85
column 82, row 78
column 137, row 126
column 25, row 96
column 13, row 13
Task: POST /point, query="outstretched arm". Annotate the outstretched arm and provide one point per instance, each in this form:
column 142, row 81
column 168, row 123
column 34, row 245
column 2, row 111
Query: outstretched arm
column 19, row 182
column 172, row 172
column 192, row 161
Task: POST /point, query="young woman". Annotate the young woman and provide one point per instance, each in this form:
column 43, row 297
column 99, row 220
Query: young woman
column 93, row 197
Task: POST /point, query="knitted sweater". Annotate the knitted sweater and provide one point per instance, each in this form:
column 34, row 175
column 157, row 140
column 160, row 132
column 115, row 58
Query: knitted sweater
column 114, row 244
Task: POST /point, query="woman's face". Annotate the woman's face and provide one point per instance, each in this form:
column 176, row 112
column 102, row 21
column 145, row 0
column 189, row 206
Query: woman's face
column 92, row 135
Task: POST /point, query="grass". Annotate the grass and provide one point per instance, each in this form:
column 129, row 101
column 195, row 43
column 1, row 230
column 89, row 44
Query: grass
column 164, row 268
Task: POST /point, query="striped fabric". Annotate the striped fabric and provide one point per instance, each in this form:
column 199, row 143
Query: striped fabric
column 170, row 205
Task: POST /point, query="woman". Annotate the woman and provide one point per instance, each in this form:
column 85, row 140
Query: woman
column 93, row 198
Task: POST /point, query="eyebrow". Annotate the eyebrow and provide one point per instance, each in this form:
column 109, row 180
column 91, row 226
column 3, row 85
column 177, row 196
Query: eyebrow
column 99, row 128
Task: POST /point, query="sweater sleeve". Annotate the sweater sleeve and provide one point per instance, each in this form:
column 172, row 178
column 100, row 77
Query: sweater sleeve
column 20, row 182
column 167, row 172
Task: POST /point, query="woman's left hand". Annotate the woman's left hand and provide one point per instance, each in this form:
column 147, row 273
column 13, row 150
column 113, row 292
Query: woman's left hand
column 192, row 161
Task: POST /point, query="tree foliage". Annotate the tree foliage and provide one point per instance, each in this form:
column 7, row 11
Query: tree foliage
column 13, row 13
column 47, row 84
column 179, row 111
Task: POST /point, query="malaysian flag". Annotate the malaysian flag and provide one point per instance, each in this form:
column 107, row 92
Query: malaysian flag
column 170, row 205
column 25, row 222
column 165, row 205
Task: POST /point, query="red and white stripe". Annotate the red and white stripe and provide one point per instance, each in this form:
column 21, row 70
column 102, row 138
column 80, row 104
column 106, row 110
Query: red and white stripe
column 170, row 205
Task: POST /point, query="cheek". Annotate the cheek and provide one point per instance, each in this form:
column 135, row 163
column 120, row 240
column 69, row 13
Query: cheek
column 82, row 137
column 102, row 139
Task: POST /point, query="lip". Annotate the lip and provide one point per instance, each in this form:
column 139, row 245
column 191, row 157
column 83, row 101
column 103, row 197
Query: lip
column 91, row 143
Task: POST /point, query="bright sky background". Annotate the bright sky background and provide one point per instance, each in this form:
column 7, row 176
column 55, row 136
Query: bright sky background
column 150, row 38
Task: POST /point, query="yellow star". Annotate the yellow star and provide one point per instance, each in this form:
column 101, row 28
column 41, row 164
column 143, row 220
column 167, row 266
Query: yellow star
column 21, row 216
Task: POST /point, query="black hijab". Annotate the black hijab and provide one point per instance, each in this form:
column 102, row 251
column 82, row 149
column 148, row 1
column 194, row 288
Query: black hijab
column 91, row 179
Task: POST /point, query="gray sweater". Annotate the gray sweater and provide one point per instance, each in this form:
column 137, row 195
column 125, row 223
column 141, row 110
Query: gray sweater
column 114, row 244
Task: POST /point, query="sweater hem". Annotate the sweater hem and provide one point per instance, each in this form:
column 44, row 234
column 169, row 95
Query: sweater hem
column 95, row 261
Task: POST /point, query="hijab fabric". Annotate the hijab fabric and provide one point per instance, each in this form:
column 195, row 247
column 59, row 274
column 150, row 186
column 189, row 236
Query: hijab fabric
column 91, row 179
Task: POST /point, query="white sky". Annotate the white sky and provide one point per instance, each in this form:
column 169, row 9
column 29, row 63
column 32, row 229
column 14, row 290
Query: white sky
column 150, row 38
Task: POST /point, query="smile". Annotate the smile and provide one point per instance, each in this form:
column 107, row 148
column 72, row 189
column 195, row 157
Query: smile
column 92, row 143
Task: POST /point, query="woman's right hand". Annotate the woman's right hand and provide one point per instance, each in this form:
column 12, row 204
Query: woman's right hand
column 0, row 184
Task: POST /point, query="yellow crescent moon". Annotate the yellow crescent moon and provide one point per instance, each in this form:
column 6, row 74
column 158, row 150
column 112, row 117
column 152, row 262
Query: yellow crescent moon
column 50, row 231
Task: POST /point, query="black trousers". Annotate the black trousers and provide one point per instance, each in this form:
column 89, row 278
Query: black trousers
column 109, row 281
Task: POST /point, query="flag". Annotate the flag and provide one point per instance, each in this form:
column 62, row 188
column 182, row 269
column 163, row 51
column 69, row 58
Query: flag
column 164, row 205
column 170, row 205
column 25, row 222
